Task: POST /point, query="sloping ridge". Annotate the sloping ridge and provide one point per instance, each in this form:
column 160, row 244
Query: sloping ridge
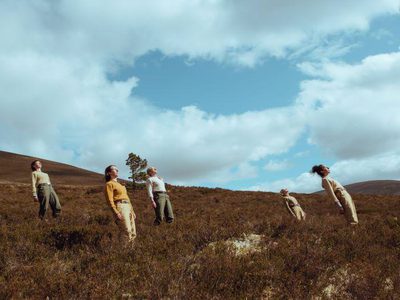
column 15, row 168
column 375, row 187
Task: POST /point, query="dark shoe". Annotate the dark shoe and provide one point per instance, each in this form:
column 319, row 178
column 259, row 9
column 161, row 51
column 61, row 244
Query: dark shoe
column 170, row 221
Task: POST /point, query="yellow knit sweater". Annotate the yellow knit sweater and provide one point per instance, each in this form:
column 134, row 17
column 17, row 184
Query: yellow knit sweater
column 114, row 191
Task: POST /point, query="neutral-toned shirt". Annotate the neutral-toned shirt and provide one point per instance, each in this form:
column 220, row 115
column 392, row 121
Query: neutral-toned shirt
column 290, row 200
column 331, row 186
column 39, row 177
column 155, row 184
column 114, row 191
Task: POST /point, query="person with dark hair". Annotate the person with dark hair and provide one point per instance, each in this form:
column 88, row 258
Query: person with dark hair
column 43, row 191
column 118, row 199
column 159, row 197
column 337, row 193
column 292, row 205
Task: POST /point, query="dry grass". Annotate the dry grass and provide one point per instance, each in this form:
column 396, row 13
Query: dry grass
column 80, row 257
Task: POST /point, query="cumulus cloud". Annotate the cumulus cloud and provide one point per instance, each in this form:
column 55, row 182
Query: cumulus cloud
column 241, row 32
column 277, row 165
column 357, row 106
column 304, row 183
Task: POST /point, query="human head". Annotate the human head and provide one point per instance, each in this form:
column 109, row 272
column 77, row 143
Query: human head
column 36, row 164
column 321, row 170
column 284, row 192
column 111, row 172
column 151, row 171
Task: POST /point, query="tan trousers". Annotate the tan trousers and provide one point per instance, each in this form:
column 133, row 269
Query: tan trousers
column 299, row 213
column 127, row 224
column 349, row 208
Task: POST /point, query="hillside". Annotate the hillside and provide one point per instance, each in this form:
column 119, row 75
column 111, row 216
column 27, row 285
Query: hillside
column 15, row 168
column 80, row 257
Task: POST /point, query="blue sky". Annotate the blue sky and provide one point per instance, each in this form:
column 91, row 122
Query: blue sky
column 242, row 96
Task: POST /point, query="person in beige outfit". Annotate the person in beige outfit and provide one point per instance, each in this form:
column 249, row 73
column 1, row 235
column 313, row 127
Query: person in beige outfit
column 338, row 194
column 117, row 198
column 292, row 205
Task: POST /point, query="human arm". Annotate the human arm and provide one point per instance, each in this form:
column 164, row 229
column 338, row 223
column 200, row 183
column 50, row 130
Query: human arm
column 328, row 188
column 149, row 188
column 289, row 209
column 34, row 190
column 109, row 193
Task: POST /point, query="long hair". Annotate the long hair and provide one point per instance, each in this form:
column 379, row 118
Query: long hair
column 33, row 165
column 317, row 169
column 107, row 176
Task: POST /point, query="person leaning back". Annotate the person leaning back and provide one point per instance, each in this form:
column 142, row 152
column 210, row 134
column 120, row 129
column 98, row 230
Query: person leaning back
column 159, row 197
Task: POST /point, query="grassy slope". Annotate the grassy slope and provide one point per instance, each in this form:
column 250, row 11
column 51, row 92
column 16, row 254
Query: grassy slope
column 81, row 258
column 16, row 168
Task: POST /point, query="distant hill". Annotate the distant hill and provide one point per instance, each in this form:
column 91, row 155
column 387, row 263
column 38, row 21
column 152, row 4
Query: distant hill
column 373, row 187
column 16, row 168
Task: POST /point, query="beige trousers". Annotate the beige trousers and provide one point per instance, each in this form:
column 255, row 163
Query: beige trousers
column 350, row 212
column 127, row 224
column 299, row 213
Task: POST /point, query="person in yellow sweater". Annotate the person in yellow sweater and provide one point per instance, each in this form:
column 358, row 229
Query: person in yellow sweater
column 292, row 205
column 338, row 194
column 119, row 202
column 43, row 191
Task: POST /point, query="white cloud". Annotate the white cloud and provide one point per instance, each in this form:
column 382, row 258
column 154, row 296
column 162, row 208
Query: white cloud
column 275, row 165
column 355, row 107
column 304, row 183
column 381, row 166
column 241, row 32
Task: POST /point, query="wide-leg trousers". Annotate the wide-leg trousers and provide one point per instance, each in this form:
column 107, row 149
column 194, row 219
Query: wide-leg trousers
column 298, row 212
column 349, row 208
column 127, row 224
column 163, row 208
column 48, row 197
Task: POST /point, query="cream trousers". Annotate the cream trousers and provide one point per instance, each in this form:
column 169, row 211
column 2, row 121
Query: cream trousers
column 298, row 212
column 350, row 212
column 127, row 224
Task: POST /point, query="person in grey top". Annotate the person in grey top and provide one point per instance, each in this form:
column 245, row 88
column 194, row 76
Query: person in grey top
column 43, row 191
column 159, row 197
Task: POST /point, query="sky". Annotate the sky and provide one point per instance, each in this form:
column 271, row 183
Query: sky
column 244, row 95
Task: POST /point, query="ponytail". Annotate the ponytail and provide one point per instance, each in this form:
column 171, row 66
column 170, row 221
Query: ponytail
column 317, row 169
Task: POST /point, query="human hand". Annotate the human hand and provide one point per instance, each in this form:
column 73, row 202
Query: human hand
column 119, row 216
column 154, row 204
column 35, row 199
